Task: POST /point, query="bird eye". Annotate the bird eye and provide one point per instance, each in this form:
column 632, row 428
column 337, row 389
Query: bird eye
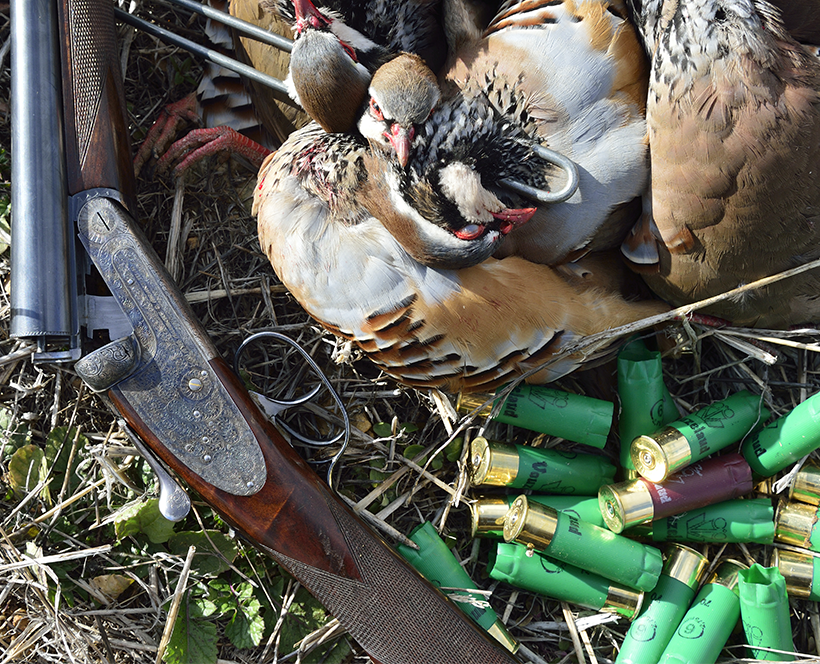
column 374, row 108
column 470, row 232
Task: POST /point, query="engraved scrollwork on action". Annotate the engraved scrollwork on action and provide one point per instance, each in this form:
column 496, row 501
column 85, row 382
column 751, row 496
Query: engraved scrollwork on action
column 107, row 366
column 172, row 386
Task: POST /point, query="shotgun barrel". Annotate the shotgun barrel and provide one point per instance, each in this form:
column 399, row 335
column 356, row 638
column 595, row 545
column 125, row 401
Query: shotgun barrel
column 177, row 394
column 43, row 271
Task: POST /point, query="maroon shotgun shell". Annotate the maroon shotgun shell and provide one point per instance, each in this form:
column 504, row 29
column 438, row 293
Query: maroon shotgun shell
column 703, row 483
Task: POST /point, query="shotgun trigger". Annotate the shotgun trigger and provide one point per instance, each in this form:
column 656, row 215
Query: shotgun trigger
column 174, row 503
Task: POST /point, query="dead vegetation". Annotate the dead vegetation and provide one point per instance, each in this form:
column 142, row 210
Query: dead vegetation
column 74, row 589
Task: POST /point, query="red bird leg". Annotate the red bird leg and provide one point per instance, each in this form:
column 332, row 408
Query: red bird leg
column 707, row 320
column 165, row 128
column 201, row 143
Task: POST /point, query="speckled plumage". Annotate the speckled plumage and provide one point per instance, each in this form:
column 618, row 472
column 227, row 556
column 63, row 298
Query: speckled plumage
column 470, row 329
column 734, row 129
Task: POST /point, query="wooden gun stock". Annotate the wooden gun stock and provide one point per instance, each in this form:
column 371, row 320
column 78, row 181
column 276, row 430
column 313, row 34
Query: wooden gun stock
column 169, row 383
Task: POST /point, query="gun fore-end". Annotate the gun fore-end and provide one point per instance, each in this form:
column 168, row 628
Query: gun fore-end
column 98, row 148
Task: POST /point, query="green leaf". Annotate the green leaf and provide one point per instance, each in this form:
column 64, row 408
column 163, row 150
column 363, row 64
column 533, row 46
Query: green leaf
column 453, row 450
column 382, row 429
column 193, row 640
column 412, row 451
column 375, row 475
column 144, row 518
column 221, row 594
column 58, row 448
column 204, row 607
column 305, row 615
column 247, row 626
column 385, row 430
column 5, row 227
column 13, row 435
column 26, row 468
column 337, row 655
column 206, row 562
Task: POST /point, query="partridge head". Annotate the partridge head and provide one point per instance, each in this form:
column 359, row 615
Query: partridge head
column 340, row 44
column 330, row 66
column 402, row 95
column 470, row 329
column 438, row 208
column 734, row 130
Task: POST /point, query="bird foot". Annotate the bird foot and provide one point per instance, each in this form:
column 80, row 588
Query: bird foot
column 201, row 143
column 165, row 128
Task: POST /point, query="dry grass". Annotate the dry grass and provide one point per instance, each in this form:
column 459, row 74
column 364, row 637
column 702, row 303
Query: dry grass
column 52, row 549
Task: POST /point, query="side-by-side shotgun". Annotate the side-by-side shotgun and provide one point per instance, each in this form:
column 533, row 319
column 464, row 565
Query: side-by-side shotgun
column 166, row 379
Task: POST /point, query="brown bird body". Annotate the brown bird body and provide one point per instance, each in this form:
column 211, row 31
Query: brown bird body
column 734, row 130
column 470, row 329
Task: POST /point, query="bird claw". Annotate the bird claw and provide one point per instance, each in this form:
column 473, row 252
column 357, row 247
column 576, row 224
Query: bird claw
column 165, row 128
column 541, row 195
column 201, row 143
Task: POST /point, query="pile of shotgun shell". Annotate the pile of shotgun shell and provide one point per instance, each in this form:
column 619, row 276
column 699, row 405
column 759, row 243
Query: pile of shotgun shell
column 563, row 527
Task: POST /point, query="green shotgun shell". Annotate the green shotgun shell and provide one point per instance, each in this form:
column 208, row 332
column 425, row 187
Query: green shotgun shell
column 786, row 440
column 488, row 512
column 524, row 568
column 801, row 572
column 764, row 612
column 563, row 537
column 664, row 607
column 796, row 524
column 436, row 563
column 707, row 624
column 646, row 404
column 731, row 521
column 698, row 435
column 557, row 413
column 534, row 469
column 806, row 485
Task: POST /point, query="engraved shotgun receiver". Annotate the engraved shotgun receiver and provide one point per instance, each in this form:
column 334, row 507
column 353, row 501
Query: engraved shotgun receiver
column 188, row 410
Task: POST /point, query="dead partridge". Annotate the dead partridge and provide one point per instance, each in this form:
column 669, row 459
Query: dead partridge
column 733, row 115
column 568, row 76
column 470, row 329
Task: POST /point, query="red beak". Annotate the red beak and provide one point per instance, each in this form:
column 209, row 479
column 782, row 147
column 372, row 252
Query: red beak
column 513, row 217
column 306, row 12
column 400, row 138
